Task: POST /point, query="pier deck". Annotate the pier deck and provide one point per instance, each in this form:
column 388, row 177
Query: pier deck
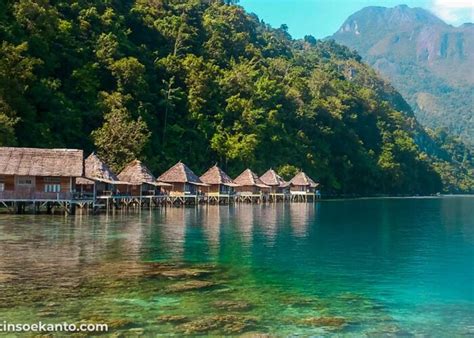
column 68, row 202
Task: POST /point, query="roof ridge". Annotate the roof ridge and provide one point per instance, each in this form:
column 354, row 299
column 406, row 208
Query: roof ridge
column 271, row 177
column 179, row 172
column 216, row 175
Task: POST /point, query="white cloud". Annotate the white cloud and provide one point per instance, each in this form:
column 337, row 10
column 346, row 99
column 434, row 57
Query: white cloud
column 454, row 12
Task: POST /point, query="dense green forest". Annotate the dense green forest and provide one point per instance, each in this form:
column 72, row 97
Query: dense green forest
column 206, row 82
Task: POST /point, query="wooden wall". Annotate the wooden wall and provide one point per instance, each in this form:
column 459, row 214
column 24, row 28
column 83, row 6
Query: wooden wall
column 9, row 182
column 65, row 183
column 214, row 188
column 302, row 188
column 134, row 190
column 87, row 188
column 39, row 183
column 180, row 188
column 176, row 189
column 248, row 189
column 100, row 188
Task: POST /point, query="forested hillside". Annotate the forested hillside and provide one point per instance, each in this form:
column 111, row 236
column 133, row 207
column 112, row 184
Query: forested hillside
column 205, row 82
column 427, row 60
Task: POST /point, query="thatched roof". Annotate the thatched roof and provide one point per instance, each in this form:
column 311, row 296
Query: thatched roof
column 249, row 178
column 273, row 179
column 84, row 181
column 216, row 175
column 301, row 179
column 96, row 170
column 137, row 173
column 41, row 162
column 180, row 173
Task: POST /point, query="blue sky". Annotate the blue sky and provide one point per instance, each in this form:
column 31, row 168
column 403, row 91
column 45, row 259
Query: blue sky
column 321, row 18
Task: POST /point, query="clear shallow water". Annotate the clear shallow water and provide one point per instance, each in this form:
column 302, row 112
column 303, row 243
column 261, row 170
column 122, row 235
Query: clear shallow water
column 352, row 267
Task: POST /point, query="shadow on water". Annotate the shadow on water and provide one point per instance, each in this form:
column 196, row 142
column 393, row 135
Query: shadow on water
column 378, row 266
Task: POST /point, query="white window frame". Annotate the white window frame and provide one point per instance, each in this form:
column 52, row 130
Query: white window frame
column 52, row 187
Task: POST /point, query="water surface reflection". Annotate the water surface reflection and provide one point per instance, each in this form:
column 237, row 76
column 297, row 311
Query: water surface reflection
column 364, row 266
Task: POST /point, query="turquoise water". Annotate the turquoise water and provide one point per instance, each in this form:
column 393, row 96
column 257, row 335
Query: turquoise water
column 349, row 267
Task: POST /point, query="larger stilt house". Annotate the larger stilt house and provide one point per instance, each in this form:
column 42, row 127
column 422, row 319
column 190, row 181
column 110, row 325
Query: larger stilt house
column 279, row 188
column 182, row 181
column 302, row 187
column 220, row 186
column 250, row 188
column 43, row 175
column 98, row 179
column 139, row 181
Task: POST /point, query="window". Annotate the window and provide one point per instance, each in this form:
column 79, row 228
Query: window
column 52, row 187
column 25, row 181
column 52, row 184
column 2, row 186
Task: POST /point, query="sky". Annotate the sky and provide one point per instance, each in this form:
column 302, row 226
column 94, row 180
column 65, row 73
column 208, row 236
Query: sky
column 322, row 18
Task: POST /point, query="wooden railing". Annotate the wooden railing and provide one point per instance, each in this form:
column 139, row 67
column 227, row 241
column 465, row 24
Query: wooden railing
column 216, row 194
column 35, row 195
column 249, row 193
column 292, row 192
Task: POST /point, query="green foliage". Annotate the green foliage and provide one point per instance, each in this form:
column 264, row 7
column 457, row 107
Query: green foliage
column 129, row 73
column 456, row 167
column 120, row 139
column 204, row 82
column 16, row 74
column 7, row 132
column 287, row 171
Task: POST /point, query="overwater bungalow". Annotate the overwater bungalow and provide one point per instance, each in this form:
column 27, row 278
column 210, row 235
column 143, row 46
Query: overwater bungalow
column 279, row 188
column 140, row 182
column 220, row 187
column 98, row 179
column 250, row 188
column 183, row 183
column 302, row 187
column 30, row 175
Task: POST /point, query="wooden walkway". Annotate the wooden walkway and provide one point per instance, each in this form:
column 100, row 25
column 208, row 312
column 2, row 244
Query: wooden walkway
column 50, row 206
column 67, row 203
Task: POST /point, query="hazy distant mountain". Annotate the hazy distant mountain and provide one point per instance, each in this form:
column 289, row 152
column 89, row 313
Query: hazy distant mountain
column 430, row 62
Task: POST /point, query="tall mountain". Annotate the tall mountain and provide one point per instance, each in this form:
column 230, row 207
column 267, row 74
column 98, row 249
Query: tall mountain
column 427, row 60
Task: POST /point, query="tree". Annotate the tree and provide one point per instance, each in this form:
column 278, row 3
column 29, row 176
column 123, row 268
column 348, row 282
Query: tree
column 170, row 96
column 129, row 73
column 287, row 171
column 310, row 39
column 7, row 131
column 16, row 74
column 120, row 139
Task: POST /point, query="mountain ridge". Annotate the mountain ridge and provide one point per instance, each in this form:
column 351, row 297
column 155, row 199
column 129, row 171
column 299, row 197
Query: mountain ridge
column 426, row 59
